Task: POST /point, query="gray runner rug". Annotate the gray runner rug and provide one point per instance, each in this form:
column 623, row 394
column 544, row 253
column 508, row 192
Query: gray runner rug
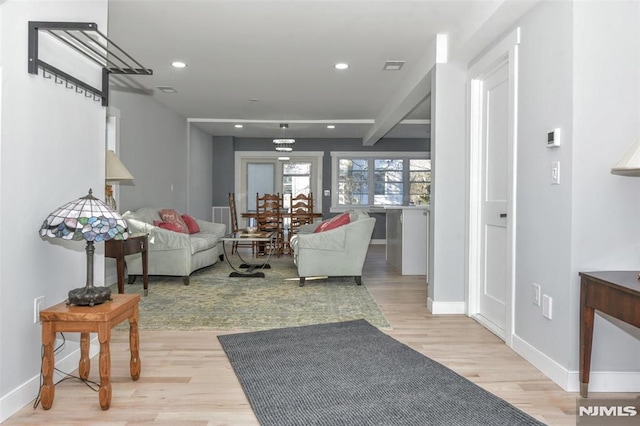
column 351, row 373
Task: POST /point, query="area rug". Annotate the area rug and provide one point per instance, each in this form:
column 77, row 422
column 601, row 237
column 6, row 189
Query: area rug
column 351, row 373
column 213, row 300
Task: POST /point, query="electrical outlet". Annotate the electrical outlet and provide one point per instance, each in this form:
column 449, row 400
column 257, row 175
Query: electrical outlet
column 547, row 306
column 38, row 305
column 536, row 294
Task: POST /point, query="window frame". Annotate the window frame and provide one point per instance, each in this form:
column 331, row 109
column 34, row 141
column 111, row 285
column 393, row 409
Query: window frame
column 336, row 156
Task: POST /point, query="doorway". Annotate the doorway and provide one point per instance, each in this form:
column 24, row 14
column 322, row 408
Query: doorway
column 493, row 126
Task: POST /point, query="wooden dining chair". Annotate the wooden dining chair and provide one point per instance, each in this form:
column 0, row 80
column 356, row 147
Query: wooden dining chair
column 269, row 208
column 234, row 225
column 301, row 214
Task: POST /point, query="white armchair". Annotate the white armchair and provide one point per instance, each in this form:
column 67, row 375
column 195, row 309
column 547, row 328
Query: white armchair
column 336, row 252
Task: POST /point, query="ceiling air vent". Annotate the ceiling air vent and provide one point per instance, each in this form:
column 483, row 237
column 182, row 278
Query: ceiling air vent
column 393, row 65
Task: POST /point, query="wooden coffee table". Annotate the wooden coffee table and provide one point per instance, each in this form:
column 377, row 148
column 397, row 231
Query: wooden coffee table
column 89, row 319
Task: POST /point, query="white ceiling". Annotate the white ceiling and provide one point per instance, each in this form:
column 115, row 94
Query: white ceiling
column 263, row 62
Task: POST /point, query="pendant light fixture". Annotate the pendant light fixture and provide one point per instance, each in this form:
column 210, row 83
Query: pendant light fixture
column 283, row 144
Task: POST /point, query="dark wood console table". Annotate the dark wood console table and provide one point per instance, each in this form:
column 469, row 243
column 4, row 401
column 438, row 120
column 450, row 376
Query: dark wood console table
column 616, row 293
column 118, row 249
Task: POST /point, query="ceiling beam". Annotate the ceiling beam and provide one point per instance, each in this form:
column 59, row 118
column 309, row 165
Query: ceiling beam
column 412, row 93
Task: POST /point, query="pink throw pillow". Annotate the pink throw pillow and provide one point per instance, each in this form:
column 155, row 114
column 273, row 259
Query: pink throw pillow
column 191, row 223
column 334, row 222
column 173, row 217
column 167, row 226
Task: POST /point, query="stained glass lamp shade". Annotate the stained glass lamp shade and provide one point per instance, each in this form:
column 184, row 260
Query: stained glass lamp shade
column 86, row 219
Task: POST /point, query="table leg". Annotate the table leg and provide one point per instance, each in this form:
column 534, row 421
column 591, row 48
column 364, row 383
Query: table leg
column 47, row 391
column 104, row 394
column 587, row 315
column 134, row 345
column 120, row 272
column 85, row 364
column 145, row 271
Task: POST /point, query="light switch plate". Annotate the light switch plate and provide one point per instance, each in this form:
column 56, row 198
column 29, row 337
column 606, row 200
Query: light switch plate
column 555, row 173
column 327, row 192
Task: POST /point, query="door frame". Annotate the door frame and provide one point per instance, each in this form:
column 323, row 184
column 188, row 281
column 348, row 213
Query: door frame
column 271, row 156
column 506, row 51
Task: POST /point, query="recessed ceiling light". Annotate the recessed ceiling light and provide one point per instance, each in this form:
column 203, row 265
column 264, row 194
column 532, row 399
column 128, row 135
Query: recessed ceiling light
column 178, row 64
column 284, row 158
column 341, row 66
column 331, row 126
column 238, row 126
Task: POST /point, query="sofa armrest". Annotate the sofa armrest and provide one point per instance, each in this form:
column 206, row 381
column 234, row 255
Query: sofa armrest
column 218, row 229
column 332, row 240
column 159, row 239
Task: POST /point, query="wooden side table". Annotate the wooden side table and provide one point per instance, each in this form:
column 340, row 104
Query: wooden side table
column 616, row 293
column 118, row 249
column 89, row 319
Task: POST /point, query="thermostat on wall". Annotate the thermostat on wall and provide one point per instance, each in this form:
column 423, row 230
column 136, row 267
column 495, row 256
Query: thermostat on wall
column 553, row 138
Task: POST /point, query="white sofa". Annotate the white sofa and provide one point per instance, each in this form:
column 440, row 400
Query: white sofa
column 336, row 252
column 173, row 253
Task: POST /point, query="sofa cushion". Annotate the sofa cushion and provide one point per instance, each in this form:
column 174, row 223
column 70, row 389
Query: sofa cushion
column 191, row 223
column 172, row 216
column 202, row 241
column 334, row 222
column 167, row 225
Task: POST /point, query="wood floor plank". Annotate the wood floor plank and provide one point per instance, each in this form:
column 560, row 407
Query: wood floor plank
column 186, row 378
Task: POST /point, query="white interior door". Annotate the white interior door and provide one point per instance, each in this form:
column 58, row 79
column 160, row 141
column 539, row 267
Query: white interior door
column 493, row 97
column 493, row 283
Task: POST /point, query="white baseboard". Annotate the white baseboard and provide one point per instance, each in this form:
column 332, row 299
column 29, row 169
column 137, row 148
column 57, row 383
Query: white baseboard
column 378, row 241
column 599, row 381
column 443, row 308
column 24, row 394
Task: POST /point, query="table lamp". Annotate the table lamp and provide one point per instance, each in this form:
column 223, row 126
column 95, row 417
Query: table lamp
column 86, row 219
column 115, row 172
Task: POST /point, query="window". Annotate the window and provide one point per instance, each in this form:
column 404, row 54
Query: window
column 296, row 180
column 380, row 179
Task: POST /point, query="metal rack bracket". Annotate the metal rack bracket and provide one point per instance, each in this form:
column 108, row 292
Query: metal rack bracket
column 84, row 38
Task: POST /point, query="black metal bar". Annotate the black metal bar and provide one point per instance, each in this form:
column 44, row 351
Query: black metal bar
column 85, row 49
column 63, row 75
column 32, row 66
column 105, row 87
column 125, row 53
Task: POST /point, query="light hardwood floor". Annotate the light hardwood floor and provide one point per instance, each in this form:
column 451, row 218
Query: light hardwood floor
column 187, row 380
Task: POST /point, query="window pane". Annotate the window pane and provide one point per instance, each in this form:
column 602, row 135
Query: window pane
column 353, row 182
column 296, row 168
column 353, row 193
column 395, row 164
column 420, row 178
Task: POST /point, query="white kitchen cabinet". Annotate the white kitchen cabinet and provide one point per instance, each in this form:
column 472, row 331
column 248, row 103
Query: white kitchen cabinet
column 407, row 239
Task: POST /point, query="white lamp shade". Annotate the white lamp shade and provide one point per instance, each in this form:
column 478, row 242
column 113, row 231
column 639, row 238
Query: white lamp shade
column 116, row 171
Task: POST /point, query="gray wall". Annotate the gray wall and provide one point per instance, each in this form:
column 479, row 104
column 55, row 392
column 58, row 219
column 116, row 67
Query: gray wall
column 200, row 169
column 225, row 147
column 153, row 146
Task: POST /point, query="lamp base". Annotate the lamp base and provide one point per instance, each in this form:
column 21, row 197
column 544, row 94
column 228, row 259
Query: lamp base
column 89, row 296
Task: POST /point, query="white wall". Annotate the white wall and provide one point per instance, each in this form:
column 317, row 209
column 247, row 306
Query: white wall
column 51, row 152
column 153, row 145
column 579, row 71
column 200, row 171
column 543, row 229
column 606, row 208
column 446, row 290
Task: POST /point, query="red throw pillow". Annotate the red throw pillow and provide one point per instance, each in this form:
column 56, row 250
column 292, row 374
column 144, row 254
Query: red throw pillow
column 168, row 226
column 172, row 216
column 334, row 222
column 191, row 223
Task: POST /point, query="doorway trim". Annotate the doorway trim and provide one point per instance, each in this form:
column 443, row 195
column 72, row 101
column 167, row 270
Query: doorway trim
column 505, row 51
column 272, row 156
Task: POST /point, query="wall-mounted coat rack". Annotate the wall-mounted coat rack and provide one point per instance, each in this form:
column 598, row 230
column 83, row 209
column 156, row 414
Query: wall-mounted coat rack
column 84, row 38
